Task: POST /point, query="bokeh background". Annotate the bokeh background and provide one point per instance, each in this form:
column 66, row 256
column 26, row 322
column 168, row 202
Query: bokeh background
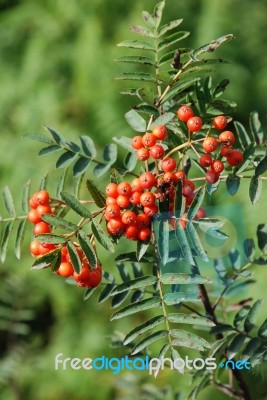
column 57, row 69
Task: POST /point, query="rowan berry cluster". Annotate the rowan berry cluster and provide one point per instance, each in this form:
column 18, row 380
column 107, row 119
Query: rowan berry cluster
column 40, row 205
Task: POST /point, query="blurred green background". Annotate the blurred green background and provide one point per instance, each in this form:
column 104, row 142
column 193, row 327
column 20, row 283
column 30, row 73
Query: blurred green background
column 57, row 69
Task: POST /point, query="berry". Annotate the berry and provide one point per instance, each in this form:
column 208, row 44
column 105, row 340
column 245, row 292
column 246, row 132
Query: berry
column 205, row 160
column 226, row 151
column 235, row 158
column 88, row 277
column 128, row 217
column 33, row 216
column 220, row 122
column 115, row 226
column 169, row 177
column 194, row 124
column 201, row 213
column 65, row 269
column 124, row 189
column 35, row 248
column 137, row 142
column 184, row 113
column 32, row 202
column 111, row 190
column 183, row 220
column 131, row 232
column 112, row 211
column 45, row 248
column 150, row 211
column 147, row 199
column 144, row 234
column 147, row 180
column 160, row 132
column 149, row 140
column 123, row 201
column 227, row 138
column 136, row 185
column 143, row 220
column 41, row 228
column 168, row 165
column 217, row 166
column 157, row 152
column 135, row 198
column 188, row 188
column 96, row 276
column 143, row 154
column 41, row 210
column 42, row 197
column 210, row 144
column 212, row 177
column 110, row 200
column 180, row 175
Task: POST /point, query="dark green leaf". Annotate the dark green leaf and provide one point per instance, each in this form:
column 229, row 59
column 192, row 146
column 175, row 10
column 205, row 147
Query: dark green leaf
column 74, row 257
column 19, row 237
column 255, row 189
column 183, row 279
column 59, row 222
column 147, row 95
column 130, row 161
column 179, row 87
column 250, row 348
column 5, row 240
column 141, row 249
column 232, row 184
column 190, row 320
column 136, row 44
column 75, row 205
column 163, row 119
column 58, row 138
column 46, row 260
column 183, row 243
column 38, row 137
column 241, row 315
column 147, row 258
column 136, row 122
column 179, row 297
column 136, row 76
column 87, row 249
column 256, row 128
column 188, row 339
column 235, row 345
column 124, row 273
column 249, row 248
column 88, row 146
column 77, row 186
column 247, row 157
column 144, row 327
column 195, row 241
column 136, row 60
column 118, row 299
column 142, row 305
column 137, row 283
column 61, row 183
column 262, row 332
column 88, row 293
column 262, row 237
column 8, row 200
column 242, row 134
column 163, row 241
column 55, row 264
column 65, row 159
column 261, row 167
column 168, row 27
column 96, row 194
column 124, row 142
column 152, row 338
column 25, row 197
column 105, row 293
column 252, row 316
column 110, row 153
column 141, row 30
column 101, row 237
column 80, row 166
column 179, row 202
column 196, row 203
column 50, row 238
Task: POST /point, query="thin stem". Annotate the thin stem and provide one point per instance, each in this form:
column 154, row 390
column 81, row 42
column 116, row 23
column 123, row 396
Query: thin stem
column 21, row 217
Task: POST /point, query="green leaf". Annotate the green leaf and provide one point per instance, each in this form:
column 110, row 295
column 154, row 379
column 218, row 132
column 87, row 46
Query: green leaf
column 196, row 243
column 154, row 337
column 129, row 91
column 255, row 189
column 5, row 240
column 147, row 258
column 180, row 297
column 183, row 279
column 256, row 128
column 241, row 315
column 50, row 238
column 210, row 47
column 158, row 10
column 190, row 320
column 163, row 240
column 136, row 76
column 183, row 243
column 74, row 257
column 65, row 159
column 262, row 332
column 75, row 205
column 252, row 316
column 179, row 87
column 249, row 248
column 49, row 149
column 61, row 183
column 141, row 30
column 262, row 237
column 118, row 299
column 80, row 166
column 130, row 161
column 261, row 167
column 137, row 283
column 247, row 157
column 179, row 202
column 58, row 138
column 124, row 142
column 25, row 197
column 196, row 203
column 141, row 249
column 8, row 200
column 142, row 305
column 163, row 119
column 235, row 345
column 210, row 223
column 96, row 194
column 232, row 184
column 45, row 261
column 147, row 94
column 43, row 183
column 250, row 348
column 88, row 146
column 38, row 137
column 101, row 237
column 87, row 249
column 109, row 155
column 136, row 44
column 168, row 27
column 242, row 134
column 142, row 328
column 105, row 293
column 136, row 122
column 136, row 60
column 19, row 237
column 88, row 293
column 59, row 223
column 188, row 339
column 77, row 186
column 55, row 264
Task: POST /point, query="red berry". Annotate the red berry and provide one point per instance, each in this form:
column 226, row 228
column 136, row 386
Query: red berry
column 131, row 232
column 137, row 142
column 143, row 154
column 128, row 217
column 42, row 197
column 201, row 213
column 123, row 201
column 226, row 151
column 136, row 185
column 112, row 211
column 143, row 220
column 110, row 200
column 180, row 175
column 149, row 140
column 169, row 177
column 150, row 211
column 194, row 124
column 33, row 216
column 41, row 228
column 184, row 113
column 144, row 234
column 210, row 144
column 65, row 269
column 115, row 226
column 235, row 158
column 157, row 152
column 33, row 202
column 160, row 132
column 46, row 248
column 217, row 166
column 147, row 199
column 168, row 165
column 227, row 138
column 124, row 188
column 135, row 198
column 111, row 190
column 35, row 248
column 220, row 122
column 41, row 210
column 147, row 180
column 188, row 188
column 212, row 177
column 205, row 160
